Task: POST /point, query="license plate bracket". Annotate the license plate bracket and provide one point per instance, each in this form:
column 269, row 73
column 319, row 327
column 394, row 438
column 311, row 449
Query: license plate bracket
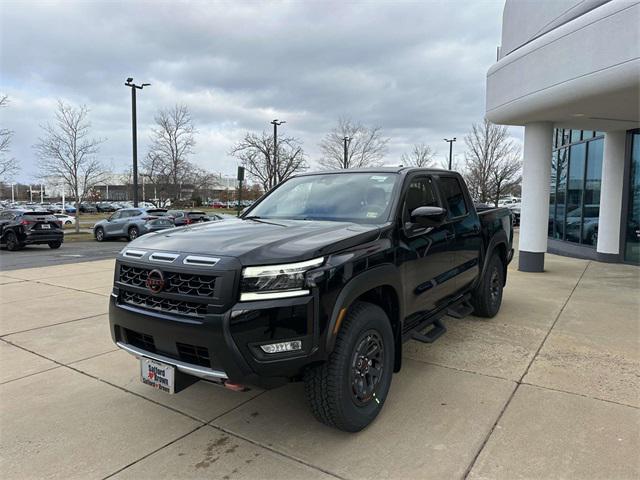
column 158, row 375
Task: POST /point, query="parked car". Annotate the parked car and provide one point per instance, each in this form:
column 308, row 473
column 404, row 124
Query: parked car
column 65, row 219
column 88, row 208
column 27, row 227
column 131, row 223
column 105, row 207
column 217, row 204
column 187, row 217
column 321, row 280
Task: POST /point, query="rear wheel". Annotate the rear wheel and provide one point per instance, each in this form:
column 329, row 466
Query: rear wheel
column 54, row 245
column 68, row 222
column 133, row 233
column 12, row 242
column 349, row 389
column 487, row 298
column 99, row 234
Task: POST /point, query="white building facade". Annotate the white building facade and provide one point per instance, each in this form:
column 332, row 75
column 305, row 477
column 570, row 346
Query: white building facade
column 569, row 72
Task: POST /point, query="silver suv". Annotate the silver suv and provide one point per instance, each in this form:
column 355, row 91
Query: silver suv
column 132, row 222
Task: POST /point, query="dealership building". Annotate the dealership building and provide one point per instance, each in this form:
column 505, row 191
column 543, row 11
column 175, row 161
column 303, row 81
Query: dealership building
column 569, row 72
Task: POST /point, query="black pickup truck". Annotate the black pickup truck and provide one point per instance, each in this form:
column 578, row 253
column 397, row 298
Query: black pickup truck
column 321, row 280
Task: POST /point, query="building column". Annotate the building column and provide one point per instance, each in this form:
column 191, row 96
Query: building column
column 608, row 247
column 534, row 211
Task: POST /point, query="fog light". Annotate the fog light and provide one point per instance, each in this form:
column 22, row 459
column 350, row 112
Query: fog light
column 282, row 347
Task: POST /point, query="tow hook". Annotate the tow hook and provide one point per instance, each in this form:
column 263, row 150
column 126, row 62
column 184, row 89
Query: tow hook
column 236, row 387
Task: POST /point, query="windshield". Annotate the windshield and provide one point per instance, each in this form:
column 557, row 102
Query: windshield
column 352, row 197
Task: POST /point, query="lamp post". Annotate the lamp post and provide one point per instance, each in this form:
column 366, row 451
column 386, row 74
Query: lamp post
column 275, row 124
column 345, row 163
column 134, row 134
column 450, row 142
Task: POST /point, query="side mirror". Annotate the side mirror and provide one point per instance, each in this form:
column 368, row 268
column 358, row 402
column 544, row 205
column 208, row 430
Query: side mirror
column 428, row 216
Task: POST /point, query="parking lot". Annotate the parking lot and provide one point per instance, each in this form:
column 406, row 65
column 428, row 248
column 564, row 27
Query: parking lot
column 547, row 389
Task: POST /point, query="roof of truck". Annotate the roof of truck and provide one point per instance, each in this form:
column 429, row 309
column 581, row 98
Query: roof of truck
column 396, row 169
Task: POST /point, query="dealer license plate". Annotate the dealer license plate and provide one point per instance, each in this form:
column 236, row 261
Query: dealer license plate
column 157, row 375
column 45, row 226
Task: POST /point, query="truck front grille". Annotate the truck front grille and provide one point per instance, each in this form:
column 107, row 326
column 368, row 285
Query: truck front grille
column 202, row 286
column 164, row 305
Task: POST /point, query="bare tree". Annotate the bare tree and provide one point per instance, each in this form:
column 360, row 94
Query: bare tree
column 493, row 161
column 420, row 156
column 172, row 141
column 366, row 146
column 255, row 152
column 68, row 152
column 8, row 165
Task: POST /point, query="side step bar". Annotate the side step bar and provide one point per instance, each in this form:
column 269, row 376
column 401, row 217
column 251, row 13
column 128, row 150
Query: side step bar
column 434, row 326
column 436, row 331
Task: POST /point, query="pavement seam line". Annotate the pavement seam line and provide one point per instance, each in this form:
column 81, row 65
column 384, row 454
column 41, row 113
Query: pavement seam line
column 51, row 325
column 277, row 452
column 519, row 382
column 72, row 288
column 155, row 451
column 580, row 395
column 461, row 370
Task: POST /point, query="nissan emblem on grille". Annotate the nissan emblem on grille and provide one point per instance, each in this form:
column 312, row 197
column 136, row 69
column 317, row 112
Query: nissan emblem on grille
column 155, row 281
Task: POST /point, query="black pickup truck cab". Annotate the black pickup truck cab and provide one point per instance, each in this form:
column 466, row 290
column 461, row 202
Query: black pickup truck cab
column 321, row 280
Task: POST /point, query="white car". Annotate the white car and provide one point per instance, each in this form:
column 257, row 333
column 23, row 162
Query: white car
column 66, row 219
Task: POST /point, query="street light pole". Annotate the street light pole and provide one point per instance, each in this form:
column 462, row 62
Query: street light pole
column 275, row 124
column 346, row 141
column 450, row 142
column 134, row 134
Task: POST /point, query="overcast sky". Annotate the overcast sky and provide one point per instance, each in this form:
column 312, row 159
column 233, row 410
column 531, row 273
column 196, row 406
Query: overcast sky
column 417, row 69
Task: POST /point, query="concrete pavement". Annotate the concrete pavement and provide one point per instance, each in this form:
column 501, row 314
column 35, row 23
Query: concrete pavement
column 549, row 388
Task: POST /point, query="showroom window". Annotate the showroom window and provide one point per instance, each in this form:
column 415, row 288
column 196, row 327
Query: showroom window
column 574, row 205
column 632, row 240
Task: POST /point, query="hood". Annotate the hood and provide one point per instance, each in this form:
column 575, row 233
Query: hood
column 256, row 242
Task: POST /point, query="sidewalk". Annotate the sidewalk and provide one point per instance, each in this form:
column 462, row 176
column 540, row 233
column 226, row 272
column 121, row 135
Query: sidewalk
column 547, row 389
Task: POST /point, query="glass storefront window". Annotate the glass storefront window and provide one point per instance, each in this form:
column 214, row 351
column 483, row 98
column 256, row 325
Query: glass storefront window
column 575, row 188
column 575, row 135
column 632, row 240
column 592, row 184
column 576, row 176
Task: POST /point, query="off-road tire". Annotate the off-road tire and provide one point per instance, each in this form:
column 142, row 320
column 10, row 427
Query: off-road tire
column 328, row 386
column 487, row 297
column 54, row 245
column 99, row 234
column 133, row 233
column 11, row 241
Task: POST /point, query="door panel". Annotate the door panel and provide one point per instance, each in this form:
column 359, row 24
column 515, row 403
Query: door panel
column 465, row 226
column 424, row 254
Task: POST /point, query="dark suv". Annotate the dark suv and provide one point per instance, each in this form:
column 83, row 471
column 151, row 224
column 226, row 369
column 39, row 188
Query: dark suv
column 26, row 227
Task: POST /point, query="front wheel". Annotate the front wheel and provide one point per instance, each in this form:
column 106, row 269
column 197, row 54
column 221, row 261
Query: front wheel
column 99, row 234
column 487, row 297
column 54, row 245
column 349, row 389
column 133, row 233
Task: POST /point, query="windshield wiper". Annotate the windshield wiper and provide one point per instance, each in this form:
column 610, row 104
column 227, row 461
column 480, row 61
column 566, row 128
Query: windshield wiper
column 259, row 219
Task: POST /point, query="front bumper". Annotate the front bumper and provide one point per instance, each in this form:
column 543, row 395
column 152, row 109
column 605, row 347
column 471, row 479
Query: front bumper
column 230, row 339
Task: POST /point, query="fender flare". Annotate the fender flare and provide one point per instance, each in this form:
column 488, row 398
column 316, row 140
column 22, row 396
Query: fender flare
column 379, row 276
column 500, row 238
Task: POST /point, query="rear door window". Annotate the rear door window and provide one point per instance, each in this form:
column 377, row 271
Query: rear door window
column 453, row 195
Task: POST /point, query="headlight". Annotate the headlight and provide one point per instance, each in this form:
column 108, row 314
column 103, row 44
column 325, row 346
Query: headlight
column 276, row 281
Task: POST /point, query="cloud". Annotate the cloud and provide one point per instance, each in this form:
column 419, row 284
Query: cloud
column 415, row 68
